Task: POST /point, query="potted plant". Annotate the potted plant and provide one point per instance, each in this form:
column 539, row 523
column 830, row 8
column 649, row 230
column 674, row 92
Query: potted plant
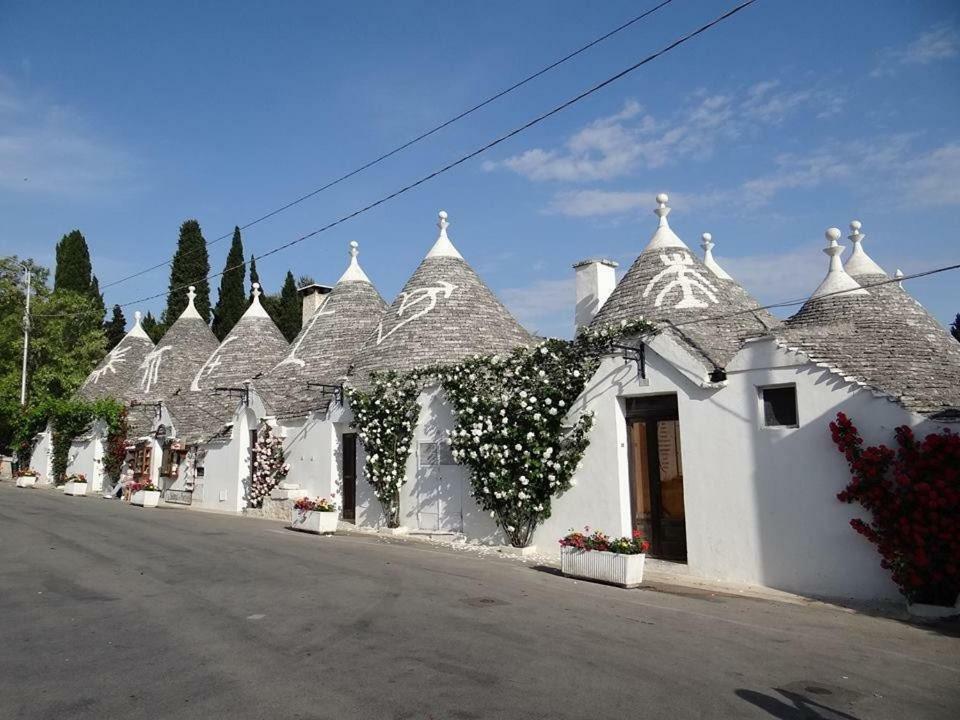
column 27, row 478
column 76, row 484
column 618, row 561
column 316, row 516
column 145, row 495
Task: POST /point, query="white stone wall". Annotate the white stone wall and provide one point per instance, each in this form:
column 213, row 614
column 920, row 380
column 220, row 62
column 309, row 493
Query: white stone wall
column 86, row 456
column 41, row 457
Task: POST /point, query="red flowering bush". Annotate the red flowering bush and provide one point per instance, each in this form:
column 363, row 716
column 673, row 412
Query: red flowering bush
column 634, row 545
column 305, row 504
column 913, row 495
column 146, row 487
column 28, row 472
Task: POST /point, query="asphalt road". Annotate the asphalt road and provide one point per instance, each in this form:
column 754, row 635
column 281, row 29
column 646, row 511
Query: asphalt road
column 111, row 611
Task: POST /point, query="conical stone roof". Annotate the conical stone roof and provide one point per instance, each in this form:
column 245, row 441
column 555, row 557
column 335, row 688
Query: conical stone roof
column 178, row 356
column 879, row 337
column 444, row 314
column 253, row 345
column 326, row 345
column 669, row 285
column 118, row 374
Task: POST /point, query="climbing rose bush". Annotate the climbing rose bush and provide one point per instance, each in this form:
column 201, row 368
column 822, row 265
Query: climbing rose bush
column 269, row 468
column 514, row 427
column 913, row 495
column 385, row 416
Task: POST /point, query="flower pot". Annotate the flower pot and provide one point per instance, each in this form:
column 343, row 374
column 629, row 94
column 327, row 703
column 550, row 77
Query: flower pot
column 314, row 521
column 75, row 488
column 146, row 498
column 614, row 568
column 26, row 481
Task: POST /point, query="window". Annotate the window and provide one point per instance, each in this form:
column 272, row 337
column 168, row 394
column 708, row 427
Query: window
column 433, row 454
column 779, row 406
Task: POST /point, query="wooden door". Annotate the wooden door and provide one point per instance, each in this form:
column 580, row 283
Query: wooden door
column 656, row 475
column 349, row 476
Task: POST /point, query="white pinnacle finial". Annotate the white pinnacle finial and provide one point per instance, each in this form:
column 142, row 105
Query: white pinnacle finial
column 859, row 263
column 664, row 237
column 899, row 274
column 137, row 329
column 354, row 273
column 837, row 281
column 706, row 242
column 256, row 309
column 191, row 310
column 443, row 247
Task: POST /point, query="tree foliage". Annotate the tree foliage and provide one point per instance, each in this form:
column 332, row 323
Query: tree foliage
column 288, row 309
column 115, row 328
column 153, row 327
column 74, row 270
column 191, row 266
column 231, row 301
column 955, row 328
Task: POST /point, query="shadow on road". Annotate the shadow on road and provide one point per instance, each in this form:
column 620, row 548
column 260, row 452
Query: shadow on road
column 799, row 706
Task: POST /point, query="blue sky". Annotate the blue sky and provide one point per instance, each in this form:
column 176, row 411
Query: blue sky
column 124, row 119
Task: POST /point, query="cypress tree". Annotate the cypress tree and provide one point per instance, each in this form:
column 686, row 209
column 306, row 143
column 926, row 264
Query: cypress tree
column 955, row 327
column 254, row 276
column 73, row 271
column 115, row 328
column 231, row 301
column 97, row 296
column 191, row 265
column 289, row 308
column 152, row 327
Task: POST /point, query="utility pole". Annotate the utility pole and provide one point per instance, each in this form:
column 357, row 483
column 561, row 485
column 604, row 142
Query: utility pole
column 26, row 340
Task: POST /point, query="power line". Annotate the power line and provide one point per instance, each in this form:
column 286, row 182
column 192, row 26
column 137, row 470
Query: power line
column 469, row 156
column 414, row 141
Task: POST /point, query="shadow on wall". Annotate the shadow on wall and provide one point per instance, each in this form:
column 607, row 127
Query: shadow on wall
column 804, row 540
column 798, row 705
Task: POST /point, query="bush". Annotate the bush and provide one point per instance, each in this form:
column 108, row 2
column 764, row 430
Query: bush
column 319, row 505
column 913, row 496
column 634, row 545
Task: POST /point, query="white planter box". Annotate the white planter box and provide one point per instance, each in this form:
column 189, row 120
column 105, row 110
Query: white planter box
column 146, row 498
column 313, row 521
column 615, row 568
column 27, row 481
column 72, row 488
column 933, row 612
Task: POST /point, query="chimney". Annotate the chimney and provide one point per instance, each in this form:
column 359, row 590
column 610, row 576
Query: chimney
column 313, row 296
column 596, row 279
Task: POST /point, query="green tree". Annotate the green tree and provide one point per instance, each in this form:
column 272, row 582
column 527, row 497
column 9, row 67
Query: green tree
column 955, row 327
column 288, row 309
column 191, row 266
column 74, row 271
column 152, row 327
column 66, row 341
column 254, row 276
column 97, row 296
column 231, row 301
column 115, row 328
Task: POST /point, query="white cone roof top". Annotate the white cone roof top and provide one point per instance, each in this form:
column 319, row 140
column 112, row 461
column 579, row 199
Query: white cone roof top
column 859, row 263
column 137, row 330
column 664, row 237
column 712, row 265
column 190, row 311
column 837, row 281
column 443, row 247
column 256, row 309
column 354, row 273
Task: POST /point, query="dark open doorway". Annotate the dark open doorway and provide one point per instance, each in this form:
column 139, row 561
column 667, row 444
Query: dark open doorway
column 349, row 465
column 656, row 474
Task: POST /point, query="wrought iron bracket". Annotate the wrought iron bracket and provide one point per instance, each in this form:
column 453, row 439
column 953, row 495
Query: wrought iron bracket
column 636, row 354
column 333, row 392
column 243, row 393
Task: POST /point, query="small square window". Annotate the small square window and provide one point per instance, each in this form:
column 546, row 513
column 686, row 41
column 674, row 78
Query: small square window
column 779, row 406
column 446, row 454
column 429, row 455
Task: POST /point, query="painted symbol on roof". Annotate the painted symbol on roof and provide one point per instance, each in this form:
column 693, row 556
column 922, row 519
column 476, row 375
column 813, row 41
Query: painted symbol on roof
column 213, row 362
column 292, row 358
column 151, row 368
column 427, row 297
column 115, row 357
column 681, row 275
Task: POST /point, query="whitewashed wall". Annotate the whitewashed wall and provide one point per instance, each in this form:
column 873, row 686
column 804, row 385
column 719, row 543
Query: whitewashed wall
column 760, row 502
column 86, row 457
column 41, row 457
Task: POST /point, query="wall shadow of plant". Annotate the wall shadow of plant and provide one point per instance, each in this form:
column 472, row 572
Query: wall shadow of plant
column 798, row 707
